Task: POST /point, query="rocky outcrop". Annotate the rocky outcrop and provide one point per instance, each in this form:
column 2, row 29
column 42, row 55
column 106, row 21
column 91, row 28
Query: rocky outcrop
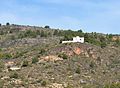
column 77, row 51
column 14, row 68
column 50, row 58
column 56, row 85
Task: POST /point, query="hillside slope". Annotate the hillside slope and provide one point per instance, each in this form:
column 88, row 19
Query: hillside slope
column 33, row 57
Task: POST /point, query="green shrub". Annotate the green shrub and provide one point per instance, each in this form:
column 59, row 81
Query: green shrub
column 1, row 83
column 12, row 37
column 0, row 49
column 43, row 83
column 113, row 85
column 35, row 60
column 39, row 81
column 1, row 55
column 25, row 63
column 1, row 66
column 103, row 44
column 2, row 33
column 18, row 54
column 7, row 56
column 56, row 32
column 14, row 75
column 63, row 55
column 117, row 42
column 28, row 33
column 92, row 65
column 69, row 86
column 47, row 26
column 43, row 34
column 78, row 71
column 7, row 24
column 42, row 51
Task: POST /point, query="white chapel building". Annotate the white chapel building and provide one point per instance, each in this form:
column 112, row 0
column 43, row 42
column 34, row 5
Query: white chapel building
column 75, row 39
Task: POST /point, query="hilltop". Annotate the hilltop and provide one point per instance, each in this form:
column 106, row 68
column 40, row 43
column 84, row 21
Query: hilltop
column 34, row 57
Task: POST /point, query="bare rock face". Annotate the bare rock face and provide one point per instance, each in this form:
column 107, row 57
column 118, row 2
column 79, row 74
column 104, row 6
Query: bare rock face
column 51, row 58
column 9, row 63
column 16, row 81
column 56, row 85
column 5, row 77
column 82, row 81
column 77, row 51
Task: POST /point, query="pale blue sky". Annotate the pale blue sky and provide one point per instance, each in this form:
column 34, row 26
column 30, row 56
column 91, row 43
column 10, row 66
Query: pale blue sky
column 89, row 15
